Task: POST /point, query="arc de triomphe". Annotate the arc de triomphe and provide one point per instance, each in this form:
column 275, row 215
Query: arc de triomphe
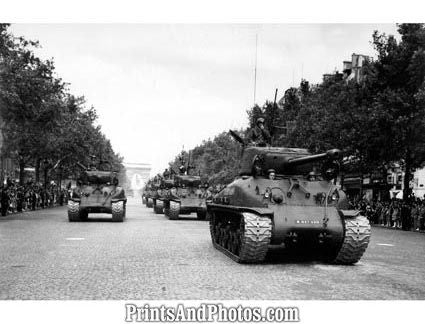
column 137, row 174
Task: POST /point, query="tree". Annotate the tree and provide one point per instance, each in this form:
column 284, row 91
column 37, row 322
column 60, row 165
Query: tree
column 30, row 94
column 44, row 125
column 398, row 79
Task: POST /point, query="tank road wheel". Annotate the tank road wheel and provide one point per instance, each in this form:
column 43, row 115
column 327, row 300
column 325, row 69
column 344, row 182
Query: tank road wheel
column 158, row 208
column 174, row 210
column 201, row 215
column 73, row 211
column 243, row 237
column 149, row 203
column 356, row 240
column 118, row 211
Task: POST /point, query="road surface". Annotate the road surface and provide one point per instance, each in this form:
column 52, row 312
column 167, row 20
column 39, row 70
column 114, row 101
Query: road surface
column 43, row 256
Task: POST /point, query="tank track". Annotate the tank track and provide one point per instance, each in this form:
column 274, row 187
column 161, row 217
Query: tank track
column 201, row 215
column 158, row 208
column 149, row 203
column 173, row 210
column 356, row 240
column 84, row 215
column 73, row 211
column 245, row 239
column 118, row 211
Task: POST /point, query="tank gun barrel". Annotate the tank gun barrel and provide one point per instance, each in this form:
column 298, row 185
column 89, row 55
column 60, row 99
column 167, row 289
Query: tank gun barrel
column 82, row 166
column 330, row 155
column 237, row 137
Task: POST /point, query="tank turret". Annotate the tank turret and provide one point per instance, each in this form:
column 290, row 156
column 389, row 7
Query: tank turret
column 257, row 161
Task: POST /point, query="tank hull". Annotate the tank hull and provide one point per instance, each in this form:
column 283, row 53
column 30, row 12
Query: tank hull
column 185, row 206
column 290, row 212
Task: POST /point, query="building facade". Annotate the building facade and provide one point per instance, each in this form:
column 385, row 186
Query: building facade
column 354, row 69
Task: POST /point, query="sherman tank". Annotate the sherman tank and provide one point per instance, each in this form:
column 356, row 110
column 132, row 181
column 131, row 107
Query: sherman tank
column 161, row 194
column 155, row 193
column 97, row 192
column 144, row 193
column 185, row 197
column 150, row 194
column 287, row 197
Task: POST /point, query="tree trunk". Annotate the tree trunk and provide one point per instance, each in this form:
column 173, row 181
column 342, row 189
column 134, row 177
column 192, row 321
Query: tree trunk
column 46, row 170
column 21, row 172
column 60, row 178
column 407, row 175
column 37, row 170
column 384, row 193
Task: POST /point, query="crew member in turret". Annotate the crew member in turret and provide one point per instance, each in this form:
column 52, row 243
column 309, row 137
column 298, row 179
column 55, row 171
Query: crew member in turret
column 166, row 174
column 259, row 135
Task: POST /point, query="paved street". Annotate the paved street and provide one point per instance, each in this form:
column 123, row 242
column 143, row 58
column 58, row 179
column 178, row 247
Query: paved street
column 43, row 256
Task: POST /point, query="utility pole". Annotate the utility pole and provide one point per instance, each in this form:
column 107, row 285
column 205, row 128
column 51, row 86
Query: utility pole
column 302, row 71
column 255, row 68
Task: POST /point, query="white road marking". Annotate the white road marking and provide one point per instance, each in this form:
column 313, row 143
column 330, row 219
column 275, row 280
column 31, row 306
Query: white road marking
column 75, row 238
column 385, row 244
column 327, row 267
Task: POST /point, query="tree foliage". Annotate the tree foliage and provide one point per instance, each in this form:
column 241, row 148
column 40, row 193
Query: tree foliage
column 215, row 160
column 378, row 121
column 42, row 123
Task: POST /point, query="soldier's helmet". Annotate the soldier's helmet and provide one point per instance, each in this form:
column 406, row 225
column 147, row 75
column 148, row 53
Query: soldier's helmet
column 260, row 120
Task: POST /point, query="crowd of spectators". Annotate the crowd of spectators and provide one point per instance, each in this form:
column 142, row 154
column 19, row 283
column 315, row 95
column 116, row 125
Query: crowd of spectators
column 15, row 198
column 395, row 213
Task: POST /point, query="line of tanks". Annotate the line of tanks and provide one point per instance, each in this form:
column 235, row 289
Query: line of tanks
column 177, row 194
column 283, row 197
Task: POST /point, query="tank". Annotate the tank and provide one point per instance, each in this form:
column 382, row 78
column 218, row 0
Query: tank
column 150, row 194
column 154, row 193
column 97, row 192
column 143, row 194
column 185, row 197
column 287, row 197
column 161, row 194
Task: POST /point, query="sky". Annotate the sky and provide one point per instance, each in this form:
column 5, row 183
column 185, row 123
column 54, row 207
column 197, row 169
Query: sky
column 159, row 87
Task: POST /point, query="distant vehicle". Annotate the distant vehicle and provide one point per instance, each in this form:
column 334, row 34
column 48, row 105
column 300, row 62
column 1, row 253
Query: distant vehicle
column 149, row 194
column 161, row 194
column 185, row 197
column 97, row 192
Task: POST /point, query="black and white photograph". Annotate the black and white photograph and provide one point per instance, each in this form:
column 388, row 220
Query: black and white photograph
column 193, row 162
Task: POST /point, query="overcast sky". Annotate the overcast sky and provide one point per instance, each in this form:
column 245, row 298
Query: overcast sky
column 159, row 87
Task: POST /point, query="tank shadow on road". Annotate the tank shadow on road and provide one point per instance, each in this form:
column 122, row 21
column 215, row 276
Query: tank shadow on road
column 280, row 255
column 98, row 220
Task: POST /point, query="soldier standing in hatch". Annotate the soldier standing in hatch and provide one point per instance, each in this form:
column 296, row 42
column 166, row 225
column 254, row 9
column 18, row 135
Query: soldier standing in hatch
column 259, row 136
column 166, row 174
